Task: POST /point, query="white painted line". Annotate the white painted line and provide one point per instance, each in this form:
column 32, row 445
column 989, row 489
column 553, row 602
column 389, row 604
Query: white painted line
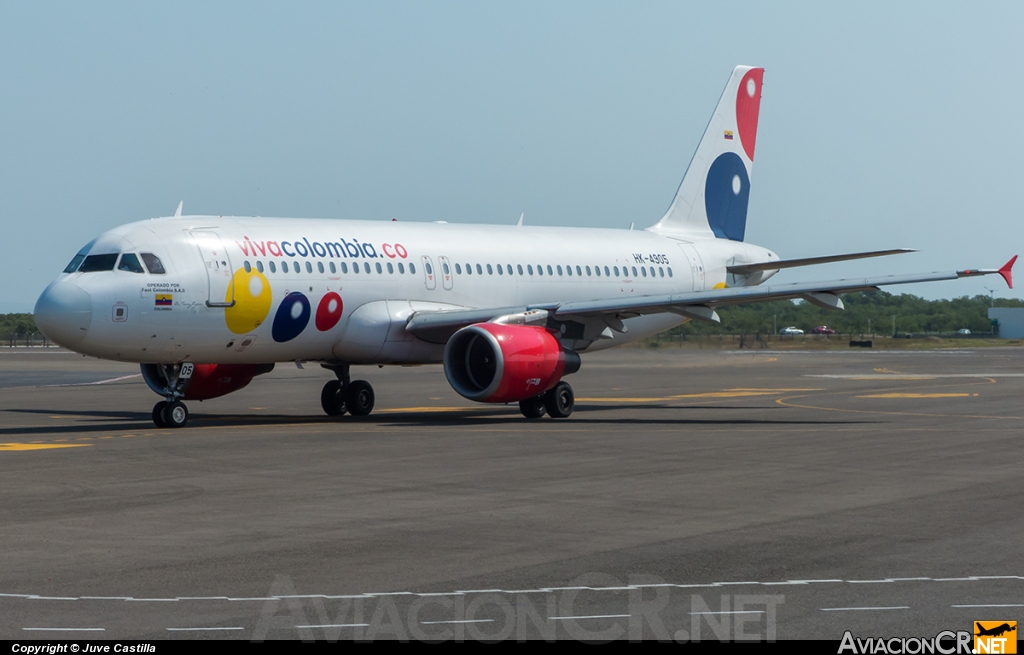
column 1006, row 605
column 540, row 590
column 199, row 629
column 732, row 612
column 64, row 629
column 465, row 621
column 335, row 625
column 863, row 609
column 594, row 616
column 152, row 600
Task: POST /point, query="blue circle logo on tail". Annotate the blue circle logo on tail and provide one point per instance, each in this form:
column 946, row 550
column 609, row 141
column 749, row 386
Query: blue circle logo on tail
column 291, row 318
column 726, row 192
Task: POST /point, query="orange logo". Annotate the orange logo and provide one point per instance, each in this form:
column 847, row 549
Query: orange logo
column 995, row 637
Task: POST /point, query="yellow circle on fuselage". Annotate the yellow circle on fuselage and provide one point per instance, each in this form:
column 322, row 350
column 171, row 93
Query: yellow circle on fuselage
column 252, row 301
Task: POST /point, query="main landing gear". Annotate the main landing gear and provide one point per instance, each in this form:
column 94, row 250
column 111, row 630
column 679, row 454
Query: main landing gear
column 558, row 402
column 346, row 395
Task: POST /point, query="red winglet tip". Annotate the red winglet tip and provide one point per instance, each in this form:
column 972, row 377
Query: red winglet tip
column 1005, row 271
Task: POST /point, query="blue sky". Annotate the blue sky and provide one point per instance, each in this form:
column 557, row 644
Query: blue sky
column 882, row 124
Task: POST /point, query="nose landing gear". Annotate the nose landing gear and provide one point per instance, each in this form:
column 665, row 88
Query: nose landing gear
column 170, row 381
column 346, row 395
column 172, row 414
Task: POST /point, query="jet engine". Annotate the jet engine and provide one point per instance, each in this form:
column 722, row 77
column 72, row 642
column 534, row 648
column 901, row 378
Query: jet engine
column 207, row 380
column 497, row 363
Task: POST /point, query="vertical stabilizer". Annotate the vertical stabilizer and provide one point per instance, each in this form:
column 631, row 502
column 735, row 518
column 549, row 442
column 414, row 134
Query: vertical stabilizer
column 712, row 198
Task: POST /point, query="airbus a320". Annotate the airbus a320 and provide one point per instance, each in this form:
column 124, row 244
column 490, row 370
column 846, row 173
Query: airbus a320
column 206, row 303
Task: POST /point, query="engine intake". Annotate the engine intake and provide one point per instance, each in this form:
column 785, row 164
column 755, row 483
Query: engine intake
column 493, row 363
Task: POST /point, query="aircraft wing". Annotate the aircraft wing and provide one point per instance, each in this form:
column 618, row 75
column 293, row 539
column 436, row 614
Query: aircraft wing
column 433, row 325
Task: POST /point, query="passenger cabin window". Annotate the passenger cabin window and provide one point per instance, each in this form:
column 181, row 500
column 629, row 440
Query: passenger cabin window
column 284, row 267
column 334, row 269
column 153, row 264
column 320, row 267
column 401, row 268
column 412, row 269
column 97, row 263
column 273, row 267
column 259, row 266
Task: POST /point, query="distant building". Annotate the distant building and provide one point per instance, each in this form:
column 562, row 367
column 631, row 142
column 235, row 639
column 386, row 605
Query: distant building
column 1011, row 321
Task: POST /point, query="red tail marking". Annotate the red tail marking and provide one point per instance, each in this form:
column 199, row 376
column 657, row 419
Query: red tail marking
column 1005, row 271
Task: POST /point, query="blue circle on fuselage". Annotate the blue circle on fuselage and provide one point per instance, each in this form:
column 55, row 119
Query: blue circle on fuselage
column 726, row 192
column 291, row 318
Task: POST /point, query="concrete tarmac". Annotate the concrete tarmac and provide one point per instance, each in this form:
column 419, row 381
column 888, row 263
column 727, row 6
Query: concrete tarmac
column 693, row 494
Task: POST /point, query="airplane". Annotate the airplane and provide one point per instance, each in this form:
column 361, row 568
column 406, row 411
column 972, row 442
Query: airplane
column 206, row 303
column 997, row 631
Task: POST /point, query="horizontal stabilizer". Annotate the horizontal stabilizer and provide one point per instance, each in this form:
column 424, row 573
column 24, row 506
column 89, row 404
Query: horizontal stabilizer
column 746, row 269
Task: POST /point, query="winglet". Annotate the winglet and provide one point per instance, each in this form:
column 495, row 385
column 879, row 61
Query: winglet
column 1005, row 271
column 177, row 212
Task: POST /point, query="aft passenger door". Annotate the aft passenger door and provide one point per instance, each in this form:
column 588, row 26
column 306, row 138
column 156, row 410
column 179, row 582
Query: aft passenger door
column 221, row 287
column 696, row 265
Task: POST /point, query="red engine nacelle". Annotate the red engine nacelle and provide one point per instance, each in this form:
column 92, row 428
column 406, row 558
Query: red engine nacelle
column 494, row 363
column 208, row 380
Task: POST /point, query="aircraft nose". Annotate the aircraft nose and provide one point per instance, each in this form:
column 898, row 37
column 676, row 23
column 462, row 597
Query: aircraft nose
column 63, row 313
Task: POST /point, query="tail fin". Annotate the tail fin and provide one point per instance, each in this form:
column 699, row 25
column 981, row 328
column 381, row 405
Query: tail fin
column 712, row 198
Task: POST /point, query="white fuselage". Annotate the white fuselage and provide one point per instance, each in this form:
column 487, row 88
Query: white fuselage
column 231, row 288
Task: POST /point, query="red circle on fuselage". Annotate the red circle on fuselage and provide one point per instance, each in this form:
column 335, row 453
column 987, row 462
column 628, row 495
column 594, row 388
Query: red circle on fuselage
column 748, row 104
column 328, row 312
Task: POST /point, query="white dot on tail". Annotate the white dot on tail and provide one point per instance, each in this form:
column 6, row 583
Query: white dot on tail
column 737, row 184
column 751, row 88
column 255, row 287
column 332, row 306
column 296, row 310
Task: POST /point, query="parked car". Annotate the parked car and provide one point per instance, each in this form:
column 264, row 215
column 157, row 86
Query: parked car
column 963, row 331
column 790, row 331
column 824, row 329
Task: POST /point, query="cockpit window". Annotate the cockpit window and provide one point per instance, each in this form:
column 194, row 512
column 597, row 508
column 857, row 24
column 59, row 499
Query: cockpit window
column 95, row 263
column 130, row 263
column 153, row 263
column 73, row 266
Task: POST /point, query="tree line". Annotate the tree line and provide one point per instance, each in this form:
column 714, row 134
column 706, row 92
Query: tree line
column 18, row 328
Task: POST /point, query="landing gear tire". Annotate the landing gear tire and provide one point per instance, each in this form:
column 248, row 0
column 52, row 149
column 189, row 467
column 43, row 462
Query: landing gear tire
column 158, row 414
column 332, row 398
column 533, row 407
column 560, row 400
column 175, row 414
column 359, row 398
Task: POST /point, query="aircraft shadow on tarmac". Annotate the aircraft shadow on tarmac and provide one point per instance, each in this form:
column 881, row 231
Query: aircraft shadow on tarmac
column 106, row 421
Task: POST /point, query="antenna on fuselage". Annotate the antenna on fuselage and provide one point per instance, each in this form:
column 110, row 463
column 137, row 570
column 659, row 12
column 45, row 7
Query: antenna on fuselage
column 520, row 223
column 631, row 224
column 177, row 212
